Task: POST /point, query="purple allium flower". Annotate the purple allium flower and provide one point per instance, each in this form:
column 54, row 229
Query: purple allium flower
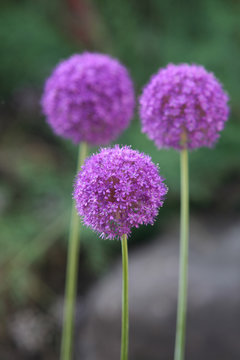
column 117, row 189
column 183, row 106
column 89, row 97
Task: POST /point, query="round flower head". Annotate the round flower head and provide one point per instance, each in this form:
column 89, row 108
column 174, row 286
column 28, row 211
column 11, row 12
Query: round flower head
column 183, row 106
column 117, row 189
column 89, row 97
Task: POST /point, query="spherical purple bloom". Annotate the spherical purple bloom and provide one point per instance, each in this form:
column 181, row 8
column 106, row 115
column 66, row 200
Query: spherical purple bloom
column 183, row 106
column 89, row 97
column 117, row 189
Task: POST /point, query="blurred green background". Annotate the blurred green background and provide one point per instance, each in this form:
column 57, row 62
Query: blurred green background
column 37, row 168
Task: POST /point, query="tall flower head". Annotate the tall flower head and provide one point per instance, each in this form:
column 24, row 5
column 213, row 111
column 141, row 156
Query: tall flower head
column 89, row 97
column 117, row 189
column 183, row 106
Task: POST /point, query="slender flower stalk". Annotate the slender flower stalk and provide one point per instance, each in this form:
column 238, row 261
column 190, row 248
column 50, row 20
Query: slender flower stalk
column 183, row 261
column 72, row 270
column 125, row 303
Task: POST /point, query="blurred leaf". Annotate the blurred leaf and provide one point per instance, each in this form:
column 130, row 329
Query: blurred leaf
column 30, row 46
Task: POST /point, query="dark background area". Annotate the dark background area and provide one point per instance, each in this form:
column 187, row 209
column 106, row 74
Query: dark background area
column 37, row 168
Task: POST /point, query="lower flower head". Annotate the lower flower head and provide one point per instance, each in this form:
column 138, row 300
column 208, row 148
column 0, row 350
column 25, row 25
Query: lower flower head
column 89, row 97
column 183, row 106
column 117, row 189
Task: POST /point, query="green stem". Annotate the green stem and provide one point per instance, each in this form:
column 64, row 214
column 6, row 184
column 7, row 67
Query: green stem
column 125, row 319
column 183, row 263
column 72, row 270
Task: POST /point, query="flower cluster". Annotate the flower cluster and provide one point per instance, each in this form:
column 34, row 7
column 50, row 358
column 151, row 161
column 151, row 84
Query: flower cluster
column 183, row 106
column 117, row 189
column 89, row 97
